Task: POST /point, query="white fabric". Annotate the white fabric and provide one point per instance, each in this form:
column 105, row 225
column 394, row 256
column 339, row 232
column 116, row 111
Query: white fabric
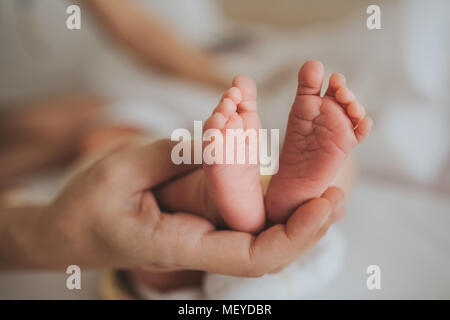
column 39, row 56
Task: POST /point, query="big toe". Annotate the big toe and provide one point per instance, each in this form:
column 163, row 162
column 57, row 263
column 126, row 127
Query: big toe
column 247, row 87
column 310, row 78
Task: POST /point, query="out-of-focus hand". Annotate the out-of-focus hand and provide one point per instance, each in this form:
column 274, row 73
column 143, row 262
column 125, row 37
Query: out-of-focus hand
column 107, row 216
column 45, row 132
column 148, row 40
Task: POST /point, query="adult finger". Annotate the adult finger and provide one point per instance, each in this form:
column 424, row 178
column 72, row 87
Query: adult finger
column 337, row 198
column 146, row 166
column 191, row 242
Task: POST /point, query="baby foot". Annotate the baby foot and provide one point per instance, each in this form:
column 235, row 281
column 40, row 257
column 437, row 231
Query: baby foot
column 320, row 134
column 234, row 190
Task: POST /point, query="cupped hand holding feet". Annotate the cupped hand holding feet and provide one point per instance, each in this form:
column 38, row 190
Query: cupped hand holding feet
column 107, row 216
column 321, row 132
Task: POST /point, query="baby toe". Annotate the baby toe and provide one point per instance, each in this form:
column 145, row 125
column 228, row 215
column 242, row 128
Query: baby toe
column 247, row 87
column 344, row 95
column 226, row 107
column 234, row 94
column 355, row 111
column 336, row 82
column 234, row 122
column 216, row 121
column 363, row 129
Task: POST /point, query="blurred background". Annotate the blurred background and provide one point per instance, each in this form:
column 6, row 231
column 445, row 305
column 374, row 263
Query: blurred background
column 154, row 66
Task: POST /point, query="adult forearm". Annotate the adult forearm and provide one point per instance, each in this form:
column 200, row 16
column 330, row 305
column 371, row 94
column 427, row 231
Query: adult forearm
column 19, row 237
column 152, row 43
column 28, row 240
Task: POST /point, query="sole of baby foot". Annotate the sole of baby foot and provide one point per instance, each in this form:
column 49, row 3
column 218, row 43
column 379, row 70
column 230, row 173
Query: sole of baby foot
column 321, row 132
column 234, row 189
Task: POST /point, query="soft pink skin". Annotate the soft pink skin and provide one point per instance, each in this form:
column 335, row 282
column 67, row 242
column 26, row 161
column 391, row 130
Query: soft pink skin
column 234, row 190
column 227, row 194
column 320, row 135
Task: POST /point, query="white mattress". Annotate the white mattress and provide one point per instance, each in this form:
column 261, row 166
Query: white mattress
column 405, row 233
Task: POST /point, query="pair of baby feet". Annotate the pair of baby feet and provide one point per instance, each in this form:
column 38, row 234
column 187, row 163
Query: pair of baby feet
column 321, row 132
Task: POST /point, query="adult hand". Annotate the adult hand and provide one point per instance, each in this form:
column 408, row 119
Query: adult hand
column 107, row 216
column 44, row 133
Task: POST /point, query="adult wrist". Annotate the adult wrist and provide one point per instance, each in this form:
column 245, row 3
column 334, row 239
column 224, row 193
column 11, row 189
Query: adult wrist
column 31, row 238
column 20, row 234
